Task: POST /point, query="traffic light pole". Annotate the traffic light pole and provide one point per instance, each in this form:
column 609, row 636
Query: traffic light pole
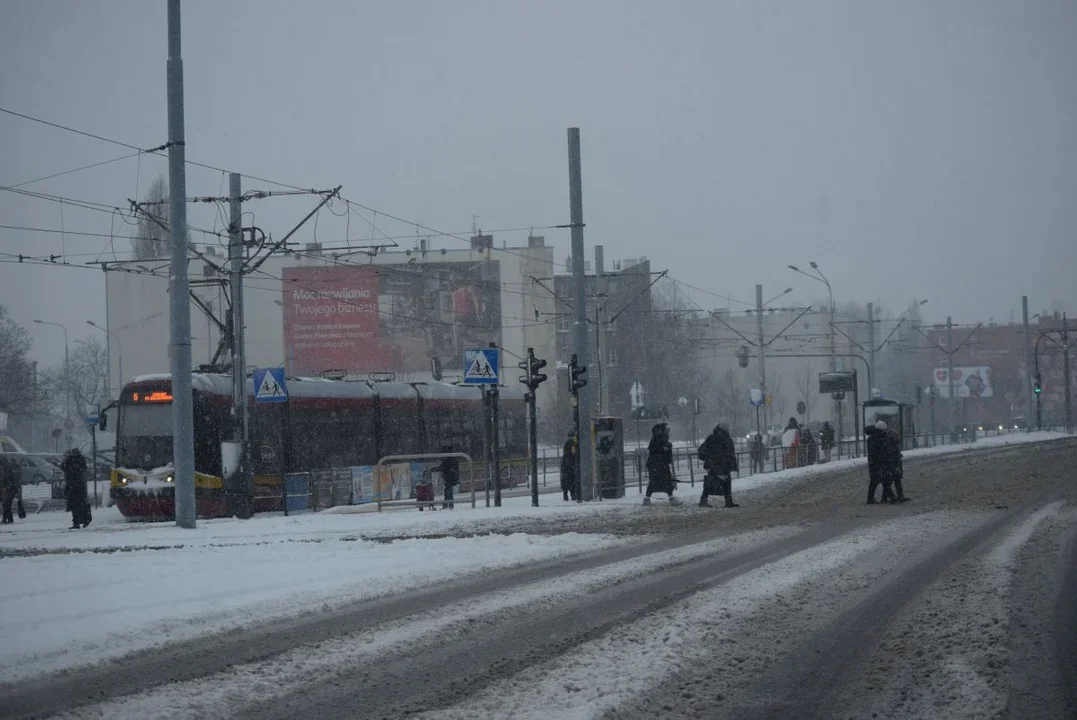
column 532, row 378
column 576, row 383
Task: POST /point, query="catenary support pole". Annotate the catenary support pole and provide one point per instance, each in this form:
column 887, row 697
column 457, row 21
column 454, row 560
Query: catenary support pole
column 575, row 202
column 1028, row 364
column 762, row 353
column 871, row 343
column 952, row 404
column 180, row 325
column 1066, row 368
column 239, row 490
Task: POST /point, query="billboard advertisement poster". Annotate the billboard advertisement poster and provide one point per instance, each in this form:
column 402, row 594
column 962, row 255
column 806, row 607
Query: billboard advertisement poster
column 969, row 382
column 362, row 485
column 331, row 319
column 390, row 318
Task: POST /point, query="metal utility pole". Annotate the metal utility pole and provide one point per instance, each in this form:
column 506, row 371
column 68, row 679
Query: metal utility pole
column 575, row 203
column 488, row 445
column 1066, row 367
column 762, row 354
column 871, row 341
column 1028, row 363
column 495, row 440
column 238, row 485
column 950, row 373
column 180, row 341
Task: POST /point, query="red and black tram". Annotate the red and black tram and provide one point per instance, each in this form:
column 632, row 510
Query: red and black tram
column 325, row 424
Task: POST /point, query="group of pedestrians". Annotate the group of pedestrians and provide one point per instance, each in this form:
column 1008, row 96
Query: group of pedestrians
column 885, row 465
column 719, row 457
column 76, row 497
column 718, row 454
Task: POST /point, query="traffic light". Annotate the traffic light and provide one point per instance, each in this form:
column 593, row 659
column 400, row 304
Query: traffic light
column 531, row 365
column 1037, row 386
column 577, row 372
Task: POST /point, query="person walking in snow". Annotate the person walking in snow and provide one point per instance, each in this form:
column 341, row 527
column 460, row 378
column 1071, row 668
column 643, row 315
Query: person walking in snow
column 896, row 465
column 884, row 463
column 660, row 477
column 74, row 467
column 568, row 468
column 719, row 456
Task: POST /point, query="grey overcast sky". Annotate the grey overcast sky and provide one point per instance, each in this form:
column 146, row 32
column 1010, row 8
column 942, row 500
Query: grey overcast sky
column 913, row 148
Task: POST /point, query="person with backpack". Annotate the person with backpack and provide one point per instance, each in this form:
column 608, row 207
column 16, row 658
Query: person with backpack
column 719, row 456
column 660, row 477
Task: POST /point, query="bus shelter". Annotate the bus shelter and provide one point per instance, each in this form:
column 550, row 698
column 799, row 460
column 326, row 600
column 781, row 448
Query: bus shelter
column 897, row 416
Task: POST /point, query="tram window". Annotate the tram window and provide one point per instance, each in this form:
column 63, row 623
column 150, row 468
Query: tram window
column 208, row 433
column 267, row 439
column 400, row 431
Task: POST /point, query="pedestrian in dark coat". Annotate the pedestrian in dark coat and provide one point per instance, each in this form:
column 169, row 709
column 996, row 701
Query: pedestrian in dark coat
column 74, row 467
column 758, row 452
column 568, row 468
column 884, row 463
column 826, row 439
column 719, row 456
column 450, row 477
column 660, row 465
column 896, row 464
column 10, row 488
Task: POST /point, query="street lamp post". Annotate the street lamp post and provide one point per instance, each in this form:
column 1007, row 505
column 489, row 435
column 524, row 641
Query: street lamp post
column 819, row 277
column 67, row 374
column 108, row 357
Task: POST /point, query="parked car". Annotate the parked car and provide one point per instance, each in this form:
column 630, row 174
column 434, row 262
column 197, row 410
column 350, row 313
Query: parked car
column 35, row 469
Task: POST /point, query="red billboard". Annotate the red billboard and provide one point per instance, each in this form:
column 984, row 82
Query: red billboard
column 392, row 317
column 331, row 320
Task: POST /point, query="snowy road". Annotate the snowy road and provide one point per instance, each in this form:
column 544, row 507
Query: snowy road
column 802, row 603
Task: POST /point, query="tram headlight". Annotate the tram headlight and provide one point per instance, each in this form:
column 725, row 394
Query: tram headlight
column 168, row 478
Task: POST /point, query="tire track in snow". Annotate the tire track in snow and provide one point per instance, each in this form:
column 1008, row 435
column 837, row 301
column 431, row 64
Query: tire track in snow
column 618, row 670
column 262, row 682
column 948, row 655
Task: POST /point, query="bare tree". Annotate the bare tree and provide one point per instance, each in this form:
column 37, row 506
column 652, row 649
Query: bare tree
column 83, row 383
column 17, row 389
column 774, row 389
column 807, row 389
column 732, row 399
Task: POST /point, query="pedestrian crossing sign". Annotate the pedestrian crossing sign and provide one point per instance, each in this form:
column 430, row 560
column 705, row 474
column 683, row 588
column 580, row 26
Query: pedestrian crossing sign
column 269, row 386
column 481, row 366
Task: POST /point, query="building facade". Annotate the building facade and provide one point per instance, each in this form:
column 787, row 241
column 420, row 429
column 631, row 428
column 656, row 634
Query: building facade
column 401, row 312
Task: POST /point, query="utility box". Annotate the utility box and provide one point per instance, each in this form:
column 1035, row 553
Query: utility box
column 607, row 436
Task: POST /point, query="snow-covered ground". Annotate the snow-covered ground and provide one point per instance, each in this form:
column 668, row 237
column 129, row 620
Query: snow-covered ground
column 282, row 675
column 62, row 609
column 79, row 596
